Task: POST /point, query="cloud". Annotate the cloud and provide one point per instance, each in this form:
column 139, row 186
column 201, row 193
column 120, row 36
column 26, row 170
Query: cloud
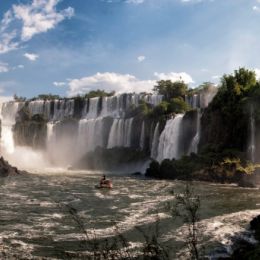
column 136, row 2
column 31, row 56
column 173, row 76
column 7, row 42
column 39, row 16
column 59, row 84
column 257, row 72
column 20, row 66
column 4, row 67
column 195, row 1
column 256, row 8
column 121, row 83
column 141, row 58
column 216, row 77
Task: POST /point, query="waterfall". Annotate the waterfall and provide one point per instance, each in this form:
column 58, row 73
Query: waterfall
column 23, row 157
column 168, row 142
column 76, row 126
column 252, row 146
column 120, row 133
column 92, row 108
column 155, row 141
column 90, row 135
column 8, row 114
column 142, row 138
column 195, row 101
column 195, row 141
column 128, row 132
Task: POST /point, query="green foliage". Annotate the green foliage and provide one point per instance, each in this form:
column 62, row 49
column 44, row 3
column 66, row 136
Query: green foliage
column 99, row 93
column 204, row 87
column 174, row 106
column 160, row 110
column 186, row 207
column 144, row 108
column 170, row 89
column 235, row 88
column 45, row 97
column 177, row 105
column 19, row 99
column 225, row 122
column 226, row 166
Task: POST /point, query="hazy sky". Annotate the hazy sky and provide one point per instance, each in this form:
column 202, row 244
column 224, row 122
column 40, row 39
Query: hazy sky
column 72, row 46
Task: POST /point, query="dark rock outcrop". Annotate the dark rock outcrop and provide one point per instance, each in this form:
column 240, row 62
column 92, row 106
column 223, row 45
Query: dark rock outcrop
column 246, row 250
column 6, row 169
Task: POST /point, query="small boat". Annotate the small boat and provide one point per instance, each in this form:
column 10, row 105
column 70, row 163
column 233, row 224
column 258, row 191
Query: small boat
column 106, row 184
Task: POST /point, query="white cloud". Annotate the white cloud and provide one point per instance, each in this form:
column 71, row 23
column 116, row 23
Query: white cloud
column 39, row 16
column 7, row 42
column 121, row 83
column 196, row 1
column 31, row 56
column 4, row 67
column 257, row 72
column 135, row 1
column 141, row 58
column 173, row 76
column 215, row 77
column 59, row 84
column 20, row 66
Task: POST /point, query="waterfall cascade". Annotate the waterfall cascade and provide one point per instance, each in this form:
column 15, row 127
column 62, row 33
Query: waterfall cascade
column 77, row 126
column 195, row 141
column 155, row 141
column 8, row 113
column 169, row 140
column 100, row 121
column 142, row 138
column 252, row 145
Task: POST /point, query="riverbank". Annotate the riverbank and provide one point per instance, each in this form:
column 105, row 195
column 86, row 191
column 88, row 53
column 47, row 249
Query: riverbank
column 224, row 167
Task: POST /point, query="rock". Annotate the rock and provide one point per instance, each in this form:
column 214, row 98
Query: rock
column 136, row 174
column 246, row 183
column 6, row 169
column 255, row 225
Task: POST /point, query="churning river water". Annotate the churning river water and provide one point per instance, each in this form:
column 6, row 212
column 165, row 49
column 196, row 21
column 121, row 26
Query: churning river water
column 43, row 215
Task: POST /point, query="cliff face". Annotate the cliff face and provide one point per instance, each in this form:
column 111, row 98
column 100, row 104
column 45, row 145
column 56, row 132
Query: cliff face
column 188, row 130
column 30, row 130
column 219, row 131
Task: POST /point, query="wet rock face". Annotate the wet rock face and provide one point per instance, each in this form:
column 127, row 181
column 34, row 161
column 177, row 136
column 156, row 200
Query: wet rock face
column 220, row 132
column 6, row 169
column 30, row 130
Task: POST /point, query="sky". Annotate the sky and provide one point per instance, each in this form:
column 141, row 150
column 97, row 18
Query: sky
column 69, row 47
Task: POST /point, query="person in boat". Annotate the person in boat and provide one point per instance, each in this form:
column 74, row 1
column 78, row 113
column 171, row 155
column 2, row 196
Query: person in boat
column 104, row 183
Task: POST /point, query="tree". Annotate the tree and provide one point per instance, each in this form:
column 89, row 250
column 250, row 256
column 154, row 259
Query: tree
column 170, row 89
column 187, row 207
column 178, row 105
column 99, row 93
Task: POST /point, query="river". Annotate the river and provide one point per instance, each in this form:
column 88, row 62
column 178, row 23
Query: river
column 45, row 213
